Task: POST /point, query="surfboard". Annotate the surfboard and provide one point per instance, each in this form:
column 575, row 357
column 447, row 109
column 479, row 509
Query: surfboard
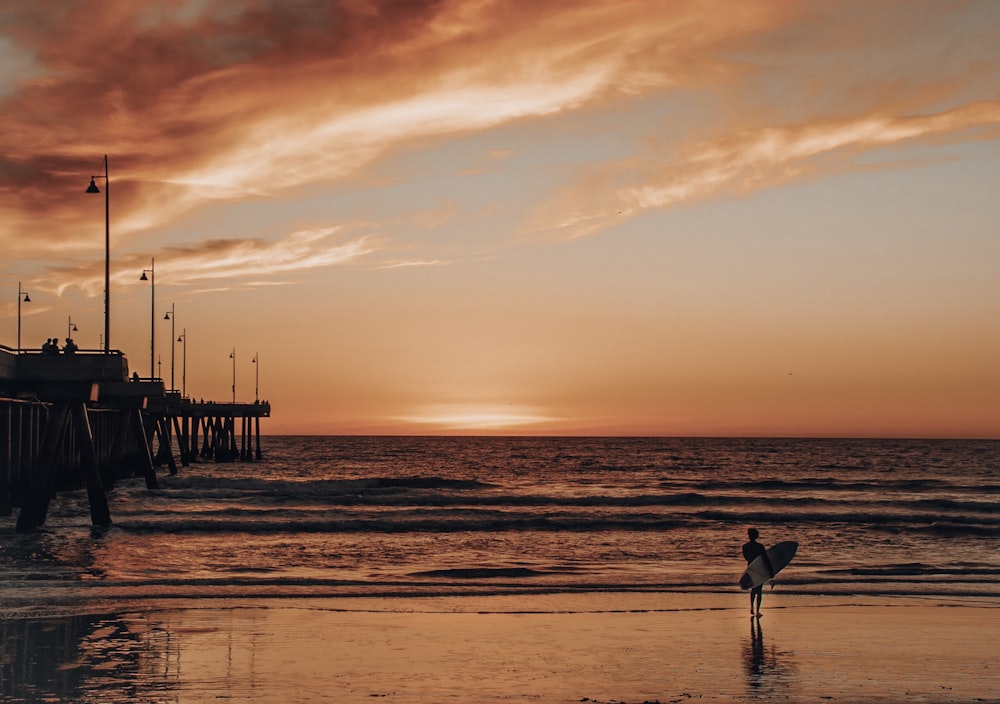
column 779, row 555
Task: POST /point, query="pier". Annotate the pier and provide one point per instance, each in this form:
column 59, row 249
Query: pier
column 74, row 421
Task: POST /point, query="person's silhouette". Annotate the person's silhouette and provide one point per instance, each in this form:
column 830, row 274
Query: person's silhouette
column 751, row 551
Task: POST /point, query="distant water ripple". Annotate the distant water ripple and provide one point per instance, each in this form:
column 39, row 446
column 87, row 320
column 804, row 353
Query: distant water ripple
column 422, row 516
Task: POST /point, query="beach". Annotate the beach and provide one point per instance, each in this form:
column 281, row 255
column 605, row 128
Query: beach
column 598, row 648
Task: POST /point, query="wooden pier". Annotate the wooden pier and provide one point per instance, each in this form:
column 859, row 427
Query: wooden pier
column 72, row 421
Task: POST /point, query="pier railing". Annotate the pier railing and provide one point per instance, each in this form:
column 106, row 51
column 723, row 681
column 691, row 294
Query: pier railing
column 69, row 421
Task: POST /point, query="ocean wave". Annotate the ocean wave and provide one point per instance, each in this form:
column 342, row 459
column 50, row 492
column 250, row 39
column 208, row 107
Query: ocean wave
column 452, row 493
column 243, row 521
column 479, row 572
column 916, row 569
column 834, row 485
column 271, row 485
column 22, row 599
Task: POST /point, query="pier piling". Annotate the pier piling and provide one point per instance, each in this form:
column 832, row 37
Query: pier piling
column 79, row 421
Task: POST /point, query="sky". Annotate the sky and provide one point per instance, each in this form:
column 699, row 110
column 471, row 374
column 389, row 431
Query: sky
column 576, row 217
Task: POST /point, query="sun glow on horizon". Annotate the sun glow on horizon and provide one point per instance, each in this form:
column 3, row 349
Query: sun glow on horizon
column 476, row 418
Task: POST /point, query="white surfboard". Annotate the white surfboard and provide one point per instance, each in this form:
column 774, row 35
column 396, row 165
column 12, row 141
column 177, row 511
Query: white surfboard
column 779, row 555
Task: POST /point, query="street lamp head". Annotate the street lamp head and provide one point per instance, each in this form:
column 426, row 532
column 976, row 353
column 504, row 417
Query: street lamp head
column 166, row 316
column 27, row 299
column 92, row 188
column 143, row 277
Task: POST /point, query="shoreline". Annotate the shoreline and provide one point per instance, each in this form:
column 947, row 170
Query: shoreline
column 102, row 601
column 598, row 648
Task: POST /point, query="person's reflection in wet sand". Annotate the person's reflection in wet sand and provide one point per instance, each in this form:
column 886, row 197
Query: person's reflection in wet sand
column 754, row 655
column 766, row 668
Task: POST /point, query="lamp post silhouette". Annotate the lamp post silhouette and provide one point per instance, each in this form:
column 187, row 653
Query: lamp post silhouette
column 152, row 314
column 183, row 337
column 70, row 327
column 256, row 388
column 170, row 315
column 92, row 188
column 232, row 356
column 26, row 299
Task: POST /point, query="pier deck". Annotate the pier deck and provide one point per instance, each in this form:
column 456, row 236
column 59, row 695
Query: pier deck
column 69, row 421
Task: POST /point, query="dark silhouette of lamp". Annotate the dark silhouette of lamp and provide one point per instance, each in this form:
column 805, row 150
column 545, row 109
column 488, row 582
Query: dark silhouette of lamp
column 232, row 356
column 26, row 299
column 152, row 314
column 171, row 315
column 183, row 337
column 256, row 388
column 92, row 188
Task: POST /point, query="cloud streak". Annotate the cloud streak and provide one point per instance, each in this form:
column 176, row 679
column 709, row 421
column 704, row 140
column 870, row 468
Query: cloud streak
column 748, row 161
column 221, row 260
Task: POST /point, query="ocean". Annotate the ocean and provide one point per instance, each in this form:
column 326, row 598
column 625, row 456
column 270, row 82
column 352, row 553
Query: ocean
column 408, row 517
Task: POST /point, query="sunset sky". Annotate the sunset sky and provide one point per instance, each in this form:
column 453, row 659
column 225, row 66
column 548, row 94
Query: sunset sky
column 476, row 216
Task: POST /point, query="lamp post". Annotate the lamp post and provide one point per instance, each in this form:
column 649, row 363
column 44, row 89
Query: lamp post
column 27, row 299
column 92, row 188
column 152, row 314
column 256, row 387
column 183, row 337
column 70, row 327
column 232, row 356
column 170, row 315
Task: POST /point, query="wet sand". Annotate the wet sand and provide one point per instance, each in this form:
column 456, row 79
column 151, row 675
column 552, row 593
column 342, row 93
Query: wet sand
column 596, row 648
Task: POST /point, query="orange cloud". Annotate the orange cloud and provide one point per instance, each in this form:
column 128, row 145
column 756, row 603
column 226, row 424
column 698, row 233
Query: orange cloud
column 755, row 159
column 194, row 107
column 220, row 260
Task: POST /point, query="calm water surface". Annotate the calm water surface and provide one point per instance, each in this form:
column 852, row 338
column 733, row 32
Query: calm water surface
column 357, row 516
column 651, row 524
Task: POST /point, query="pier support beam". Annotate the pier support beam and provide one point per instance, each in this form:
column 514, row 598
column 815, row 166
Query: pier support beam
column 146, row 456
column 257, row 425
column 35, row 503
column 100, row 515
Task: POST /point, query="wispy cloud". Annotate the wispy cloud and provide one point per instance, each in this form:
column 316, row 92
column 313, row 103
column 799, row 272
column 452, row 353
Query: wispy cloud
column 751, row 160
column 237, row 262
column 414, row 263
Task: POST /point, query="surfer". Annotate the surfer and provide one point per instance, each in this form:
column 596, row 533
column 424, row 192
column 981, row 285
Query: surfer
column 751, row 551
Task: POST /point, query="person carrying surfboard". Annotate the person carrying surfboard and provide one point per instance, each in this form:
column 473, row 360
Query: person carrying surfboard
column 751, row 551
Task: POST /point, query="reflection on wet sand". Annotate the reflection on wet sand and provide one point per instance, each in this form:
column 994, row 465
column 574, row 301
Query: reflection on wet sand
column 767, row 669
column 90, row 658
